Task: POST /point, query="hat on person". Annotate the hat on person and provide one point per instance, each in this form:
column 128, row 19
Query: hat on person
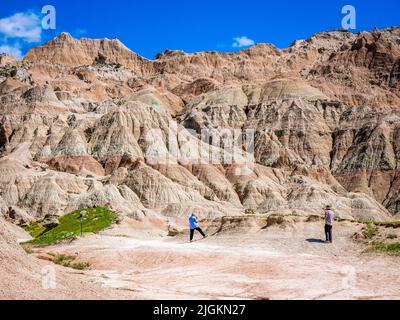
column 328, row 207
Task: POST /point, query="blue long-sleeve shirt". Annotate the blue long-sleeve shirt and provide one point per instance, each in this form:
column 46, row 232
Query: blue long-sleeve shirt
column 193, row 222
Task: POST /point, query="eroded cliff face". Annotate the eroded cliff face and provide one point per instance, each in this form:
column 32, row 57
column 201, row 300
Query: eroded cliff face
column 85, row 122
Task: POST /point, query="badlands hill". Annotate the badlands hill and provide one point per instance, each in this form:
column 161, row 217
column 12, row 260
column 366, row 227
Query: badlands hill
column 89, row 122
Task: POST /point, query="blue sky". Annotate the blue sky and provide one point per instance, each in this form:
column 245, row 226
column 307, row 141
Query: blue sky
column 149, row 27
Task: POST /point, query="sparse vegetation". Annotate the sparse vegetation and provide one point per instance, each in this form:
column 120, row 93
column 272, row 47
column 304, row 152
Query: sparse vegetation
column 8, row 70
column 27, row 247
column 370, row 230
column 68, row 261
column 376, row 240
column 390, row 248
column 96, row 219
column 388, row 224
column 249, row 211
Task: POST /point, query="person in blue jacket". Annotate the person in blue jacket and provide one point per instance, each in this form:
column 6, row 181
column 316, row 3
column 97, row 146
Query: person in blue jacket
column 194, row 225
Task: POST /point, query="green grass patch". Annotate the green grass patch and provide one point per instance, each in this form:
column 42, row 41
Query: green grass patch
column 68, row 261
column 35, row 229
column 96, row 219
column 390, row 248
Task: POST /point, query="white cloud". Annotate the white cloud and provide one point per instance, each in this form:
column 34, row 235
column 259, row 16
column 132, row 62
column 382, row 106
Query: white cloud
column 242, row 42
column 25, row 26
column 13, row 50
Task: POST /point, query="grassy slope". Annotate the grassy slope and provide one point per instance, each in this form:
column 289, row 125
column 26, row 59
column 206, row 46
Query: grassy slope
column 96, row 219
column 35, row 229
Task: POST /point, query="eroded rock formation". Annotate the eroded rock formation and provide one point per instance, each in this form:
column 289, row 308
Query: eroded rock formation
column 85, row 122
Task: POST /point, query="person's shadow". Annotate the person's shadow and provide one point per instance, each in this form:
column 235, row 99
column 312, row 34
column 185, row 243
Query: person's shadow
column 312, row 240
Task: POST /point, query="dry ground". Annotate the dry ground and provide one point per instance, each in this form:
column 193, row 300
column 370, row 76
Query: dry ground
column 240, row 259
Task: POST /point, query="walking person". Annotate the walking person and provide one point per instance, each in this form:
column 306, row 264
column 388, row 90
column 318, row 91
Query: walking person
column 329, row 217
column 194, row 225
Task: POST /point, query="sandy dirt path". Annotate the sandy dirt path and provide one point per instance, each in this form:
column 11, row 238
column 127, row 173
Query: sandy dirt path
column 273, row 263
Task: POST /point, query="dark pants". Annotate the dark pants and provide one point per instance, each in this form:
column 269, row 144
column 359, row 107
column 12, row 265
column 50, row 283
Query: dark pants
column 328, row 232
column 192, row 232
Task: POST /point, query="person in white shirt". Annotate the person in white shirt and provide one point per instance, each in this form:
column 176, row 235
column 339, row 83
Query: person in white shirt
column 329, row 217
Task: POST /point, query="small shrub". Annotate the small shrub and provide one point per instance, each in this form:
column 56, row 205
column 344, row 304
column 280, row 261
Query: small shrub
column 80, row 265
column 62, row 259
column 8, row 70
column 67, row 261
column 28, row 248
column 370, row 231
column 249, row 211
